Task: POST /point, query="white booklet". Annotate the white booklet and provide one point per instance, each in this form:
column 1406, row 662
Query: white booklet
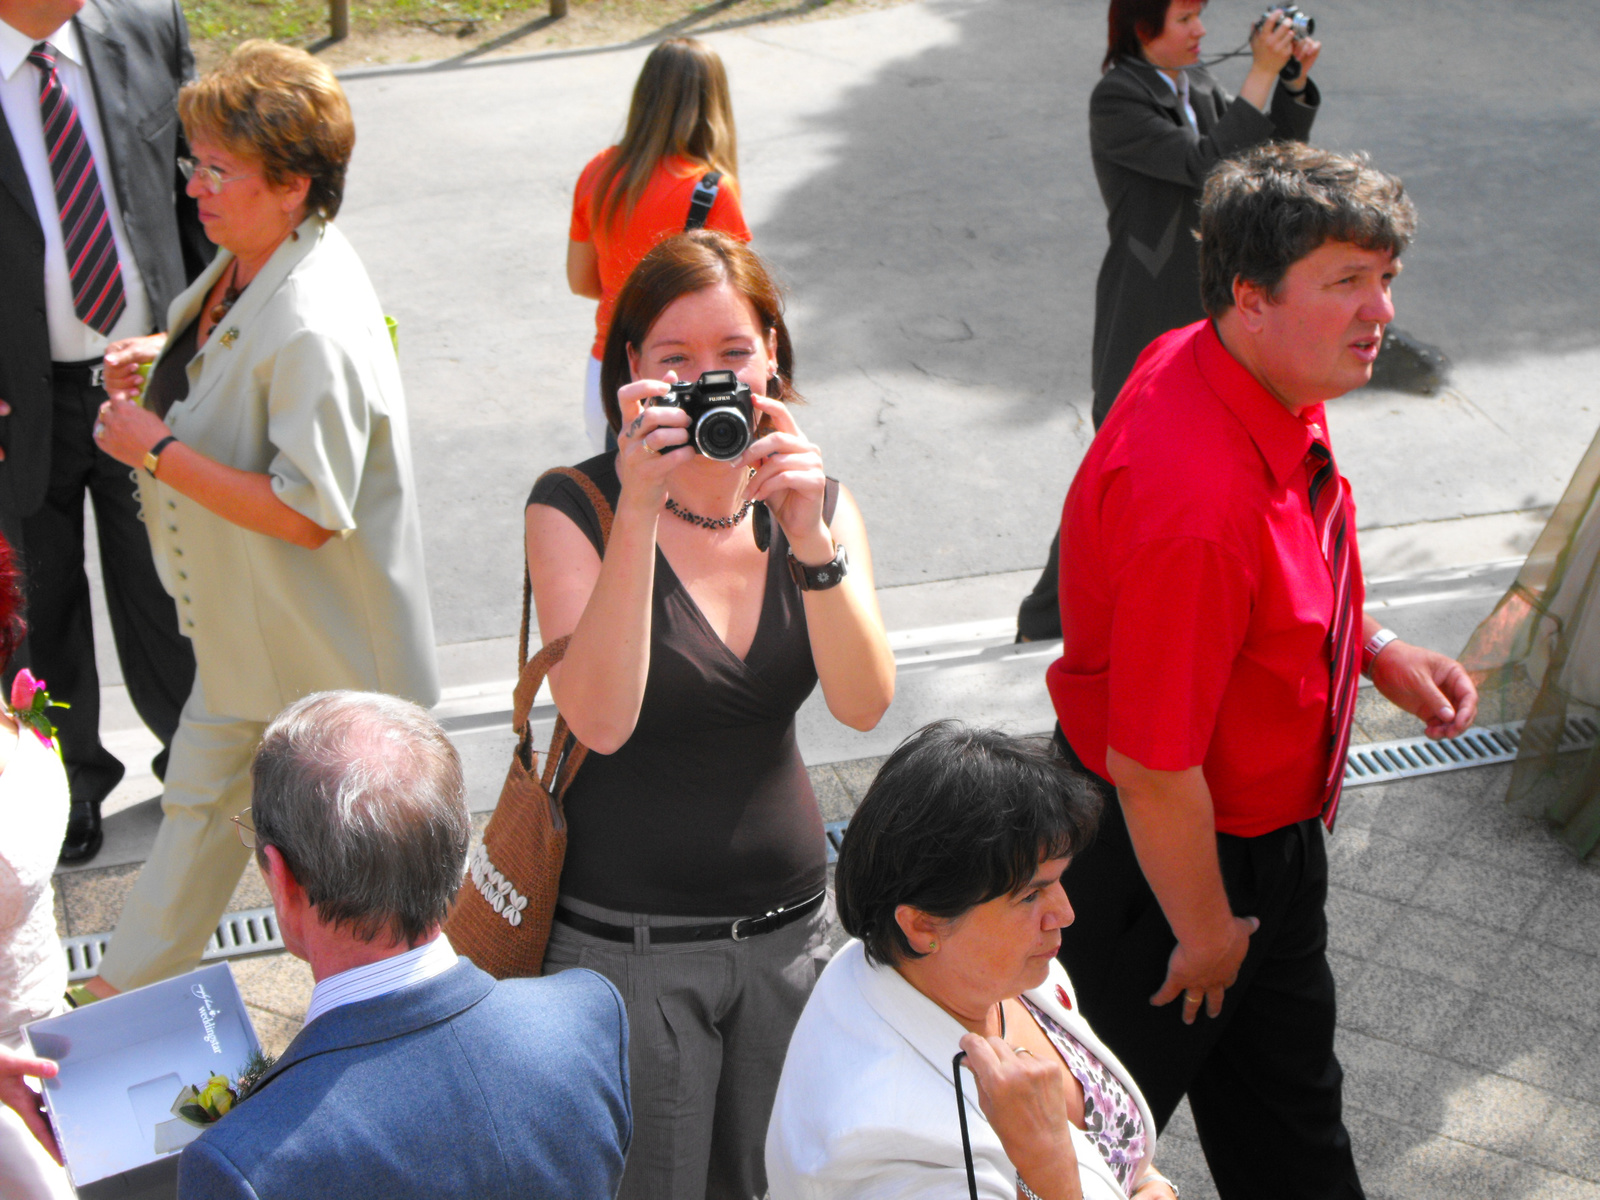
column 134, row 1071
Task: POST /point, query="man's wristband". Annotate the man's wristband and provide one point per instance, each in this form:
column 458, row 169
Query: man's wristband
column 152, row 456
column 1374, row 647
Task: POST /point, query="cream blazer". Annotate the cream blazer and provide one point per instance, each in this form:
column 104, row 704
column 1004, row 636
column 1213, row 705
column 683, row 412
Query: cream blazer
column 299, row 382
column 866, row 1105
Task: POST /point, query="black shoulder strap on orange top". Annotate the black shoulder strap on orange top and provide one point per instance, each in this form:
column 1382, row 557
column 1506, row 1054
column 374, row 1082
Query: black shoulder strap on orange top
column 705, row 195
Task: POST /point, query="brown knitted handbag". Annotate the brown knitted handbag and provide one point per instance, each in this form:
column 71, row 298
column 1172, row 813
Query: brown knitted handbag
column 501, row 917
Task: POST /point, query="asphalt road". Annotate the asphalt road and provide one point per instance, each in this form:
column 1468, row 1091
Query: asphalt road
column 920, row 177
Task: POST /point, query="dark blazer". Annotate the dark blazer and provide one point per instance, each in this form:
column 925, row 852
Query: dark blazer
column 1151, row 165
column 138, row 56
column 456, row 1087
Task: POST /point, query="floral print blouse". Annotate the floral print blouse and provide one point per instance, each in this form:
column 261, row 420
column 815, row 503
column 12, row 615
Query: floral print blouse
column 1111, row 1117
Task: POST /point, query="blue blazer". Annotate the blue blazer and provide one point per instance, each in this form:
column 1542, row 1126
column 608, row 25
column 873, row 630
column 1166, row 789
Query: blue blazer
column 456, row 1087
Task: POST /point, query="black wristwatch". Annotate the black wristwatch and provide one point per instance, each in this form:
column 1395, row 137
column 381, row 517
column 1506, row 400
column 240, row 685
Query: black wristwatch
column 153, row 455
column 819, row 579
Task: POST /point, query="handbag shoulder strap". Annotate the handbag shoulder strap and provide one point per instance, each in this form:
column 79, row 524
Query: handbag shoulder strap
column 705, row 195
column 531, row 672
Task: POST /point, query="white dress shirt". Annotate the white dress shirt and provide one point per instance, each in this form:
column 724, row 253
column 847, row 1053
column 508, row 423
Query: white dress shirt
column 70, row 339
column 382, row 977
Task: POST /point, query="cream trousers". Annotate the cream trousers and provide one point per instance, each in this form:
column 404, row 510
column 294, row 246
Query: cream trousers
column 185, row 886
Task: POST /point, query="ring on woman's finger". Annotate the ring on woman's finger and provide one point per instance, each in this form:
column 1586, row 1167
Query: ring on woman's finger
column 1021, row 1050
column 1193, row 997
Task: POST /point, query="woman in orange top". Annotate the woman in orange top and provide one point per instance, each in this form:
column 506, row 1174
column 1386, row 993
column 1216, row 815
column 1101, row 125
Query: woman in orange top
column 632, row 195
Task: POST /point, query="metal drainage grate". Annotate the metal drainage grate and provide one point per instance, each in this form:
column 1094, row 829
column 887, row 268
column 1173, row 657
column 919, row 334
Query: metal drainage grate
column 254, row 931
column 1383, row 762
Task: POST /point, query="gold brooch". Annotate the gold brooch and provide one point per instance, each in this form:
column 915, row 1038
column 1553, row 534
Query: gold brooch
column 230, row 337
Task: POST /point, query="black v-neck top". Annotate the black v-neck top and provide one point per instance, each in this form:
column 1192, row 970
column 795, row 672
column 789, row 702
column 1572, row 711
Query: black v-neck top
column 707, row 809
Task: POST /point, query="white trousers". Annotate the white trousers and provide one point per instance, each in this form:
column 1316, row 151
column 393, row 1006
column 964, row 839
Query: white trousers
column 594, row 412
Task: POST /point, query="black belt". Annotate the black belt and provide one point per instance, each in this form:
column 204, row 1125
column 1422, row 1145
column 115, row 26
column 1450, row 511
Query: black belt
column 738, row 931
column 91, row 372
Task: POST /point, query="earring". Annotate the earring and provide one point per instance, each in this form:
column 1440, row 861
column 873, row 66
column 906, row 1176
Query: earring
column 932, row 946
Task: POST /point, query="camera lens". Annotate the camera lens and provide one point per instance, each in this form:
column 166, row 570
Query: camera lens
column 722, row 433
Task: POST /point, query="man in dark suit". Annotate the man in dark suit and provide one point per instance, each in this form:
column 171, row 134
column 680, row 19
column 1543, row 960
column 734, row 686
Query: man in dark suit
column 416, row 1074
column 96, row 237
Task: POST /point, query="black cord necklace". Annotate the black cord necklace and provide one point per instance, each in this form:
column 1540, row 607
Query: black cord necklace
column 230, row 295
column 709, row 522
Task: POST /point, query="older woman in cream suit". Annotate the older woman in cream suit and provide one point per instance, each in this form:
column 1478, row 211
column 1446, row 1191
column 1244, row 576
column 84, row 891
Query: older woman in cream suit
column 950, row 876
column 275, row 476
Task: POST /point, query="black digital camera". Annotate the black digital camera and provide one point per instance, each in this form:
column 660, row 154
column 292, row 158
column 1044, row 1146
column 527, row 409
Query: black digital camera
column 721, row 415
column 1303, row 24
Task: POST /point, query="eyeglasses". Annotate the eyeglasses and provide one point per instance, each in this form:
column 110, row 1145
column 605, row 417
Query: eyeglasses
column 247, row 831
column 210, row 178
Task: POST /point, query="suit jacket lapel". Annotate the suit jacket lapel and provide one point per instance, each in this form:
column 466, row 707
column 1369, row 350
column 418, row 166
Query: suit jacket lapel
column 384, row 1018
column 108, row 68
column 931, row 1032
column 1163, row 95
column 12, row 175
column 214, row 356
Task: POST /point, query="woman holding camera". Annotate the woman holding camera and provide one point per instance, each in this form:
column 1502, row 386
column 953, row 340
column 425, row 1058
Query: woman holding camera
column 696, row 862
column 672, row 171
column 1158, row 123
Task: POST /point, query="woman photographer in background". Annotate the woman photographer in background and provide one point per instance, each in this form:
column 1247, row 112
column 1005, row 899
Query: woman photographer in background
column 33, row 969
column 680, row 132
column 1158, row 123
column 696, row 863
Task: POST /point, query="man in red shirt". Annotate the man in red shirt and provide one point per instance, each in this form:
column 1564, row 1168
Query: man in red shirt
column 1211, row 599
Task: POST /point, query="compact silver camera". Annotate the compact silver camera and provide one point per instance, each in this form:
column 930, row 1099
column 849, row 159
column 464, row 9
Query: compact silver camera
column 1303, row 24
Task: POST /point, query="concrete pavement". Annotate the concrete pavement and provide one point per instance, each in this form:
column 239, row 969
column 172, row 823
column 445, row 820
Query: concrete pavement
column 920, row 177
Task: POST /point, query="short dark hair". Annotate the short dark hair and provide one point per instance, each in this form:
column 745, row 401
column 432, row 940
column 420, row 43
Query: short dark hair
column 362, row 794
column 956, row 817
column 1265, row 210
column 680, row 266
column 1131, row 24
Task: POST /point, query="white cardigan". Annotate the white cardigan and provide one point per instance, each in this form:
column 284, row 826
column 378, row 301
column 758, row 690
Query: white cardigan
column 866, row 1105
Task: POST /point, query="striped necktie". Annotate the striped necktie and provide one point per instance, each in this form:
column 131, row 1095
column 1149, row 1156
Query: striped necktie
column 1328, row 513
column 97, row 295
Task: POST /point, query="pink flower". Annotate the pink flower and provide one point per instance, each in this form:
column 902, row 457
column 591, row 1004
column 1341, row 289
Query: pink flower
column 29, row 701
column 23, row 688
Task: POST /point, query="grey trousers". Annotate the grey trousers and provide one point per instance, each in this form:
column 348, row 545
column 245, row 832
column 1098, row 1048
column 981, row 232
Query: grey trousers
column 709, row 1025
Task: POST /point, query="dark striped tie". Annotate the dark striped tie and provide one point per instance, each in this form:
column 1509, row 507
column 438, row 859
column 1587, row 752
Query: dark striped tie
column 1328, row 512
column 85, row 228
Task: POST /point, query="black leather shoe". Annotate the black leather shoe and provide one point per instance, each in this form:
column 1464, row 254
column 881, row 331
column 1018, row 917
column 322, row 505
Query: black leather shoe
column 84, row 835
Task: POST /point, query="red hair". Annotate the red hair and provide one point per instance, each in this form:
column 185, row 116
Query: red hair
column 1132, row 23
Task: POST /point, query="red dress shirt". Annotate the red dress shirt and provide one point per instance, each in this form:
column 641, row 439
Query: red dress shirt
column 1195, row 599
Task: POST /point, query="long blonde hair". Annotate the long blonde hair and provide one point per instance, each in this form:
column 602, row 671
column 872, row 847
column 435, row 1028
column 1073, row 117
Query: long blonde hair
column 680, row 107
